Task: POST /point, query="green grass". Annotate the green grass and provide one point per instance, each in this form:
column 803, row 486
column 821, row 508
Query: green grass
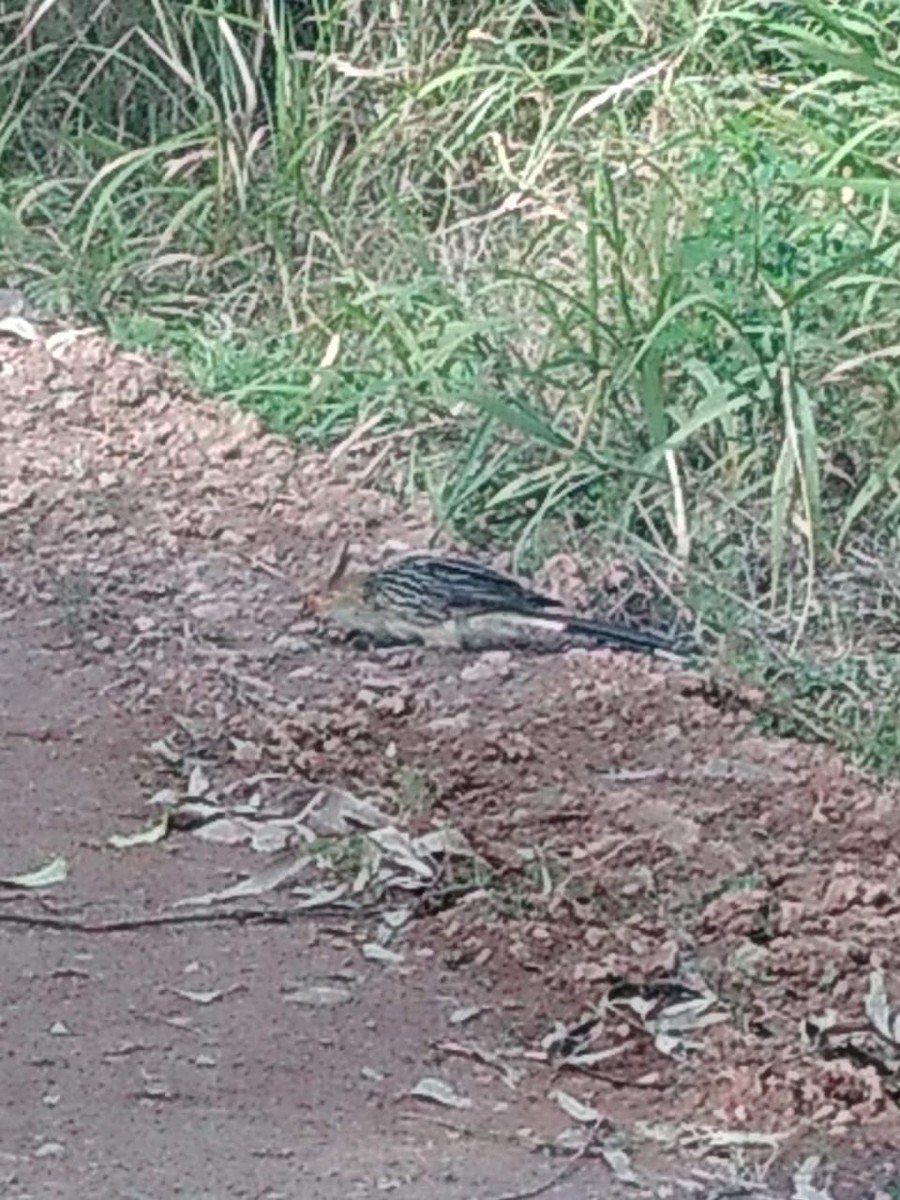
column 626, row 274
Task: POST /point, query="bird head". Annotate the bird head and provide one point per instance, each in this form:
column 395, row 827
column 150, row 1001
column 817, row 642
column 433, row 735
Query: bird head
column 343, row 591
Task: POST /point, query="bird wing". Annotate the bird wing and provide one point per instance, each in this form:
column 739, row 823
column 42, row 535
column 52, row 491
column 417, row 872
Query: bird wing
column 445, row 587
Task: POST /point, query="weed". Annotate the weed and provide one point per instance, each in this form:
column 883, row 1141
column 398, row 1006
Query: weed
column 414, row 793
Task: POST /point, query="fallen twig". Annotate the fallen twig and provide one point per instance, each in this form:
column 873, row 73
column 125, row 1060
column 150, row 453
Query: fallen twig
column 559, row 1176
column 258, row 916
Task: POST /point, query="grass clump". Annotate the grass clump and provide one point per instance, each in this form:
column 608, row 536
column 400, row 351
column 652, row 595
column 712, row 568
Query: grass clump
column 594, row 271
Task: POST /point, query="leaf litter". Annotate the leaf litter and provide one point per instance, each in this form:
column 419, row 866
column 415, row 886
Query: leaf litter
column 389, row 858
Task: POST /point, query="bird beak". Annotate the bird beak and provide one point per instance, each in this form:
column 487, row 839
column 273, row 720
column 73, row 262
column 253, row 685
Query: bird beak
column 339, row 569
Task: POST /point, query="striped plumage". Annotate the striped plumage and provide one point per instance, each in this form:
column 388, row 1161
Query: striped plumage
column 439, row 588
column 452, row 602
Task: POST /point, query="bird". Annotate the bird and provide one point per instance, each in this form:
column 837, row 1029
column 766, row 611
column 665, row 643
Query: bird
column 459, row 603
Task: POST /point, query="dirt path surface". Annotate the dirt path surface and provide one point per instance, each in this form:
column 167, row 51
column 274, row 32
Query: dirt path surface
column 180, row 1061
column 635, row 948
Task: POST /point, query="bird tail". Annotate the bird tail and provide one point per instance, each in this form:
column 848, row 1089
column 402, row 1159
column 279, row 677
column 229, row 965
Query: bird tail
column 620, row 637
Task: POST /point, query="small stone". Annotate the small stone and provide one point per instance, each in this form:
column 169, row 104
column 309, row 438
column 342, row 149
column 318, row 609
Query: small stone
column 232, row 537
column 217, row 612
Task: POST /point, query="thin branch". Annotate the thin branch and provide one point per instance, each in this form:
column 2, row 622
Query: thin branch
column 242, row 916
column 559, row 1176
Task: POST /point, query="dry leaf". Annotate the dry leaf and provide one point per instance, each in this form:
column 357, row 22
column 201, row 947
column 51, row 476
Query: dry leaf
column 461, row 1016
column 439, row 1092
column 585, row 1114
column 878, row 1009
column 148, row 836
column 321, row 994
column 267, row 880
column 53, row 872
column 380, row 954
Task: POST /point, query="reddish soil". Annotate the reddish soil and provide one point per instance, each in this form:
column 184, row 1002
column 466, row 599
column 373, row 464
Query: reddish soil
column 687, row 929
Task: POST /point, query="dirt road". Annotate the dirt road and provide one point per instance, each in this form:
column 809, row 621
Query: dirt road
column 490, row 849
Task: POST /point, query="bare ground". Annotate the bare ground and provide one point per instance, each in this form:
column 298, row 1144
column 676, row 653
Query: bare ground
column 579, row 891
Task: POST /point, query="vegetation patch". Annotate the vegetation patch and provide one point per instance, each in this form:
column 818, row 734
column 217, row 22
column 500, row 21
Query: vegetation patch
column 589, row 275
